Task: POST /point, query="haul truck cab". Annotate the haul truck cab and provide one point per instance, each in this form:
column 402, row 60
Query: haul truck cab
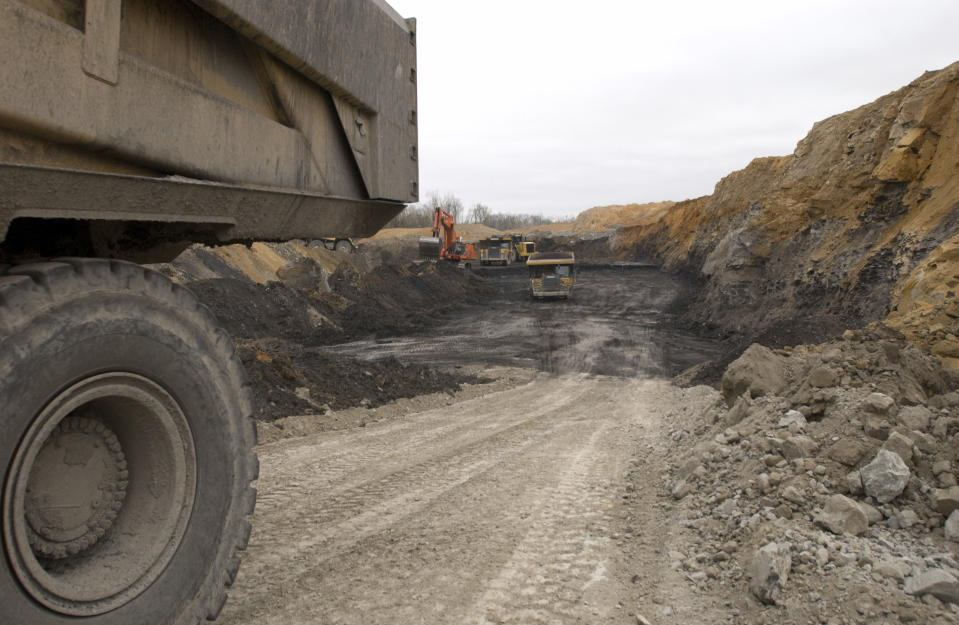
column 551, row 274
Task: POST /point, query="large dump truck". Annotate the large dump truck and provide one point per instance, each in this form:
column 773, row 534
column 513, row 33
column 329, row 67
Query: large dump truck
column 129, row 130
column 521, row 247
column 496, row 250
column 551, row 274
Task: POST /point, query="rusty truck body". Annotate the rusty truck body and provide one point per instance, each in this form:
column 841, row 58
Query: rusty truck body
column 130, row 129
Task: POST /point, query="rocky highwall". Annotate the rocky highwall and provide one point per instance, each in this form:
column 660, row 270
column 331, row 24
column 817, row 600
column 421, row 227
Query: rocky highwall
column 860, row 223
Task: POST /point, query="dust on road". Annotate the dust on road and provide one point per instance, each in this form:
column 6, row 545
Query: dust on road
column 504, row 508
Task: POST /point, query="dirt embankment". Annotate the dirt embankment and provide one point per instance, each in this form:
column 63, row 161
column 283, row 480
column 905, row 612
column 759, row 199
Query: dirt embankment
column 594, row 234
column 281, row 302
column 860, row 223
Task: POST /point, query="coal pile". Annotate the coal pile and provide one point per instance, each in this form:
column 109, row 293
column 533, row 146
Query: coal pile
column 280, row 326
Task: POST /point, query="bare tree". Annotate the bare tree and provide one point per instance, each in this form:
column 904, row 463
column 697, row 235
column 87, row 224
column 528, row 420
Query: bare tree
column 480, row 213
column 447, row 201
column 420, row 215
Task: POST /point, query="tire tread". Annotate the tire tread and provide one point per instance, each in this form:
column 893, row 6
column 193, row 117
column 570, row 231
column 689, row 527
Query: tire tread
column 30, row 289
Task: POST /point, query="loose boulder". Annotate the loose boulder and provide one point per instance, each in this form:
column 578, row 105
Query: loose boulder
column 848, row 451
column 769, row 572
column 899, row 445
column 946, row 500
column 885, row 477
column 937, row 583
column 915, row 418
column 952, row 527
column 794, row 420
column 842, row 515
column 879, row 403
column 799, row 447
column 823, row 377
column 758, row 372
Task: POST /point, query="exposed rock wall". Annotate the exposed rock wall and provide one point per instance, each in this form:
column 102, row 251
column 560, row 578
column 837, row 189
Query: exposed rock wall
column 859, row 224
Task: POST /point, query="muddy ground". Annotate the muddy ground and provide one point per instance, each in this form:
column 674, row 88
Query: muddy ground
column 623, row 320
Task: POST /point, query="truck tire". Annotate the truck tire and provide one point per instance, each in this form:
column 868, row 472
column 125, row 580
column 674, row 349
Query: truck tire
column 125, row 448
column 344, row 245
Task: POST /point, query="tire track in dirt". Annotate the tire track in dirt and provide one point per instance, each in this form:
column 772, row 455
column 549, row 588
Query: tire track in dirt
column 562, row 555
column 513, row 513
column 330, row 513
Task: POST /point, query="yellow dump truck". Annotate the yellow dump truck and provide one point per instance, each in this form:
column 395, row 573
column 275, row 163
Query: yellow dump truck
column 496, row 250
column 551, row 274
column 521, row 247
column 129, row 131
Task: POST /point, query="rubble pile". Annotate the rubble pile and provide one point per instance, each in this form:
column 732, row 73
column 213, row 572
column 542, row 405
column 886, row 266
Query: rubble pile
column 823, row 482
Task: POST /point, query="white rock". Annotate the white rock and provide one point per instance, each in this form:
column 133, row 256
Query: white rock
column 885, row 477
column 793, row 494
column 763, row 482
column 878, row 403
column 799, row 447
column 769, row 572
column 952, row 526
column 822, row 556
column 681, row 489
column 793, row 418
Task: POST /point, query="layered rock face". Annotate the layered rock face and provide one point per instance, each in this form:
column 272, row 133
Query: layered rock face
column 860, row 223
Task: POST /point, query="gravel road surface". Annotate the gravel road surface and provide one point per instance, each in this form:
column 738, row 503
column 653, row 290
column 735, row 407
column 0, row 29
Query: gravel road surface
column 504, row 508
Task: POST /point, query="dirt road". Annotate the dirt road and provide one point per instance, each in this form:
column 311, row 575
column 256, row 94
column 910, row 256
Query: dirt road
column 513, row 507
column 528, row 503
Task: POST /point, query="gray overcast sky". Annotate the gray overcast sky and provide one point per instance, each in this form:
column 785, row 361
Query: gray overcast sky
column 552, row 107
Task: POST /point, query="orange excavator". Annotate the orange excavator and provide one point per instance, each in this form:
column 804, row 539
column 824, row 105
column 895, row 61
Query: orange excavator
column 447, row 246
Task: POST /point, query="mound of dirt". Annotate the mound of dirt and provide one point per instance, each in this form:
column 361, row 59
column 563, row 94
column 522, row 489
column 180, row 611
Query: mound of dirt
column 393, row 298
column 281, row 302
column 826, row 491
column 594, row 234
column 289, row 379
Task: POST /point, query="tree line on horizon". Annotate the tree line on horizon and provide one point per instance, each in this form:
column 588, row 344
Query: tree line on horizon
column 420, row 215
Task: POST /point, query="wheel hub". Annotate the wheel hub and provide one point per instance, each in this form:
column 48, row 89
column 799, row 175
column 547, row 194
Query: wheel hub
column 76, row 488
column 99, row 494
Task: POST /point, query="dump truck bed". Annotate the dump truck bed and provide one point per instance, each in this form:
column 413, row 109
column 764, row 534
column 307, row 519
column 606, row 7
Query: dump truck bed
column 211, row 120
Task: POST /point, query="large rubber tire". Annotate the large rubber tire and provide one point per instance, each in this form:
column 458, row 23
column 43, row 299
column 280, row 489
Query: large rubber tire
column 111, row 361
column 344, row 245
